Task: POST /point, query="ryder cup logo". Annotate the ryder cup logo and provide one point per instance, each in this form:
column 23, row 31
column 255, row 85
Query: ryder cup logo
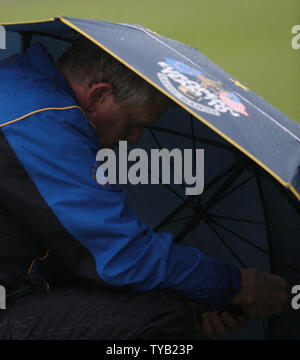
column 2, row 38
column 195, row 89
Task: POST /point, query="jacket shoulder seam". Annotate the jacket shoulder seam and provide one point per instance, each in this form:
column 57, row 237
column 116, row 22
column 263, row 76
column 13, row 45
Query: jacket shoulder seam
column 40, row 110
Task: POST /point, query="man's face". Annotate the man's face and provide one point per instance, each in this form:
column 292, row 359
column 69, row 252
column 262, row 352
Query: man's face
column 115, row 122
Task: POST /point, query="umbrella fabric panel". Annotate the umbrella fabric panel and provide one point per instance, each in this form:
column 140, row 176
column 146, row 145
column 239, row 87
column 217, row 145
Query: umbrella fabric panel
column 200, row 59
column 250, row 128
column 284, row 239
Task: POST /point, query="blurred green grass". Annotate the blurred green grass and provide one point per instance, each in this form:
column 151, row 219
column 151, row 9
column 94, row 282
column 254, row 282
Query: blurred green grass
column 250, row 39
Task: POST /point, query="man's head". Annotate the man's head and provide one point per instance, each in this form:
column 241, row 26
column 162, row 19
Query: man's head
column 115, row 99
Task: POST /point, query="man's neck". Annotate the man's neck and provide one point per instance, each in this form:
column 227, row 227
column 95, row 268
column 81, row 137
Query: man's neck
column 79, row 90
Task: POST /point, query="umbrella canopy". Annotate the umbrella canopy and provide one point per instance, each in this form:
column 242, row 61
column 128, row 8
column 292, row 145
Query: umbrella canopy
column 248, row 213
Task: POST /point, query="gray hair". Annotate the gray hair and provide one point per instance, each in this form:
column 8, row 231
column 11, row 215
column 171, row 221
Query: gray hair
column 87, row 63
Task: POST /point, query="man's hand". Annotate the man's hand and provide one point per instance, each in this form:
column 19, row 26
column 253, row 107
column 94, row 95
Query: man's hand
column 262, row 294
column 217, row 323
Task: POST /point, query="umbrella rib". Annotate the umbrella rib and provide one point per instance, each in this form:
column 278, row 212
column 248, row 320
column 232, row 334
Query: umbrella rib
column 185, row 201
column 179, row 219
column 155, row 38
column 225, row 243
column 288, row 196
column 175, row 193
column 263, row 204
column 292, row 202
column 221, row 175
column 254, row 245
column 197, row 138
column 211, row 183
column 238, row 235
column 254, row 222
column 262, row 199
column 270, row 117
column 238, row 169
column 165, row 221
column 160, row 147
column 237, row 187
column 198, row 216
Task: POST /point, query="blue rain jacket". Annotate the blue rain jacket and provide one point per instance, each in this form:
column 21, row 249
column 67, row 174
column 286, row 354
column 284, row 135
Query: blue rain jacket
column 51, row 150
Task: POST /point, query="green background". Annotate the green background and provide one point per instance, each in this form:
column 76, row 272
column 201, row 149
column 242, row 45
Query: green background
column 251, row 40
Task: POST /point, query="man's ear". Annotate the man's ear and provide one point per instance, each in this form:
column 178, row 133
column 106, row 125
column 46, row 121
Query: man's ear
column 98, row 94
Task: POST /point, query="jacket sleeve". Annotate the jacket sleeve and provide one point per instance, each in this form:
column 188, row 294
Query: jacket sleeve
column 91, row 227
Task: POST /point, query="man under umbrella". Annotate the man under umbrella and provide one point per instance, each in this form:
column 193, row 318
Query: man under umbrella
column 75, row 260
